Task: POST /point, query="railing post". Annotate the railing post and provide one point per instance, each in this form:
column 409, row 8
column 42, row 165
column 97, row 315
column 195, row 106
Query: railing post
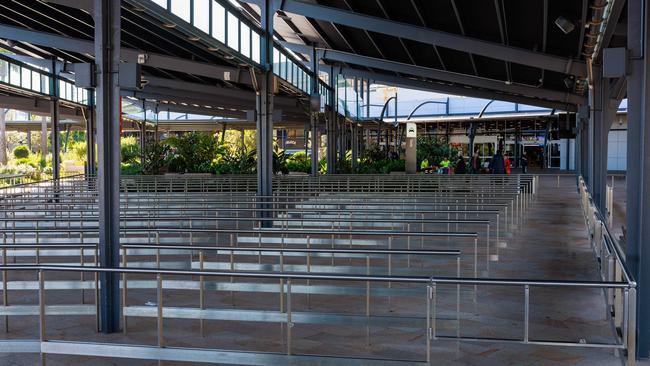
column 526, row 312
column 161, row 338
column 41, row 311
column 289, row 317
column 631, row 326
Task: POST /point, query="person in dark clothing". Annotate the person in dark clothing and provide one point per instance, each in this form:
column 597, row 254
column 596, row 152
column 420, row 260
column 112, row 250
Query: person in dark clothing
column 524, row 164
column 475, row 163
column 460, row 165
column 497, row 164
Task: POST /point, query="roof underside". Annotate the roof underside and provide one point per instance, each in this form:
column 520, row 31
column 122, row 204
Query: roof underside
column 525, row 25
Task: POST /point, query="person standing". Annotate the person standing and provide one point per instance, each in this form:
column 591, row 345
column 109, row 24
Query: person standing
column 475, row 163
column 506, row 164
column 524, row 164
column 460, row 165
column 497, row 164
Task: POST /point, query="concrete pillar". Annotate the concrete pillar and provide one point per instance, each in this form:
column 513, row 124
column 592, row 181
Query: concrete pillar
column 107, row 59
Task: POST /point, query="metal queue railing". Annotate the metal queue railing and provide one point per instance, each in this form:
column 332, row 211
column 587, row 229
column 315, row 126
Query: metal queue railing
column 612, row 267
column 620, row 291
column 161, row 351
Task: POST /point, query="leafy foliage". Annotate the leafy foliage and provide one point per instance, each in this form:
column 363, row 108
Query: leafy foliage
column 433, row 150
column 155, row 155
column 193, row 152
column 299, row 162
column 129, row 149
column 21, row 152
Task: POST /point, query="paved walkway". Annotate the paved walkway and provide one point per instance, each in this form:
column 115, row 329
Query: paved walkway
column 550, row 243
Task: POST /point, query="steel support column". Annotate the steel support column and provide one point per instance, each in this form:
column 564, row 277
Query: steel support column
column 107, row 58
column 143, row 133
column 355, row 145
column 264, row 115
column 603, row 114
column 583, row 156
column 90, row 136
column 638, row 165
column 330, row 125
column 56, row 141
column 315, row 139
column 313, row 117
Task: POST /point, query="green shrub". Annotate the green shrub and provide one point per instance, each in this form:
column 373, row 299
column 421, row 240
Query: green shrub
column 130, row 169
column 21, row 152
column 299, row 162
column 155, row 155
column 129, row 149
column 193, row 152
column 433, row 150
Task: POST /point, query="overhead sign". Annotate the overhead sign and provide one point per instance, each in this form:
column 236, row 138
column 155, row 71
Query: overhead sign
column 411, row 130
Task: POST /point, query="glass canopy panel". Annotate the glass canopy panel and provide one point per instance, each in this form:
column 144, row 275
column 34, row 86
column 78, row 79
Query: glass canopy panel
column 218, row 22
column 202, row 15
column 245, row 40
column 181, row 8
column 233, row 31
column 255, row 44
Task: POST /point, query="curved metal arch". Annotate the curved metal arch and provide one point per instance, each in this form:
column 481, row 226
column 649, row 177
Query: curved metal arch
column 422, row 104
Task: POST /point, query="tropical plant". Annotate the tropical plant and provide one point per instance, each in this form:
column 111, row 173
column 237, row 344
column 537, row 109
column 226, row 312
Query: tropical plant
column 129, row 149
column 155, row 155
column 432, row 149
column 299, row 162
column 193, row 152
column 21, row 152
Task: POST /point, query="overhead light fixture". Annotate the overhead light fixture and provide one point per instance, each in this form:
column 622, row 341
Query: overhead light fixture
column 569, row 81
column 565, row 24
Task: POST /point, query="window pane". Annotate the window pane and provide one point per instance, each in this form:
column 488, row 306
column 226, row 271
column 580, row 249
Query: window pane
column 255, row 44
column 45, row 84
column 15, row 75
column 4, row 71
column 62, row 89
column 283, row 66
column 245, row 40
column 36, row 78
column 218, row 22
column 233, row 32
column 181, row 8
column 202, row 15
column 26, row 80
column 162, row 3
column 276, row 61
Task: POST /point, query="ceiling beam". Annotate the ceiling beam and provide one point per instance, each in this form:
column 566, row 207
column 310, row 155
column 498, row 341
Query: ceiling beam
column 85, row 5
column 226, row 73
column 38, row 106
column 453, row 89
column 435, row 37
column 214, row 92
column 450, row 77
